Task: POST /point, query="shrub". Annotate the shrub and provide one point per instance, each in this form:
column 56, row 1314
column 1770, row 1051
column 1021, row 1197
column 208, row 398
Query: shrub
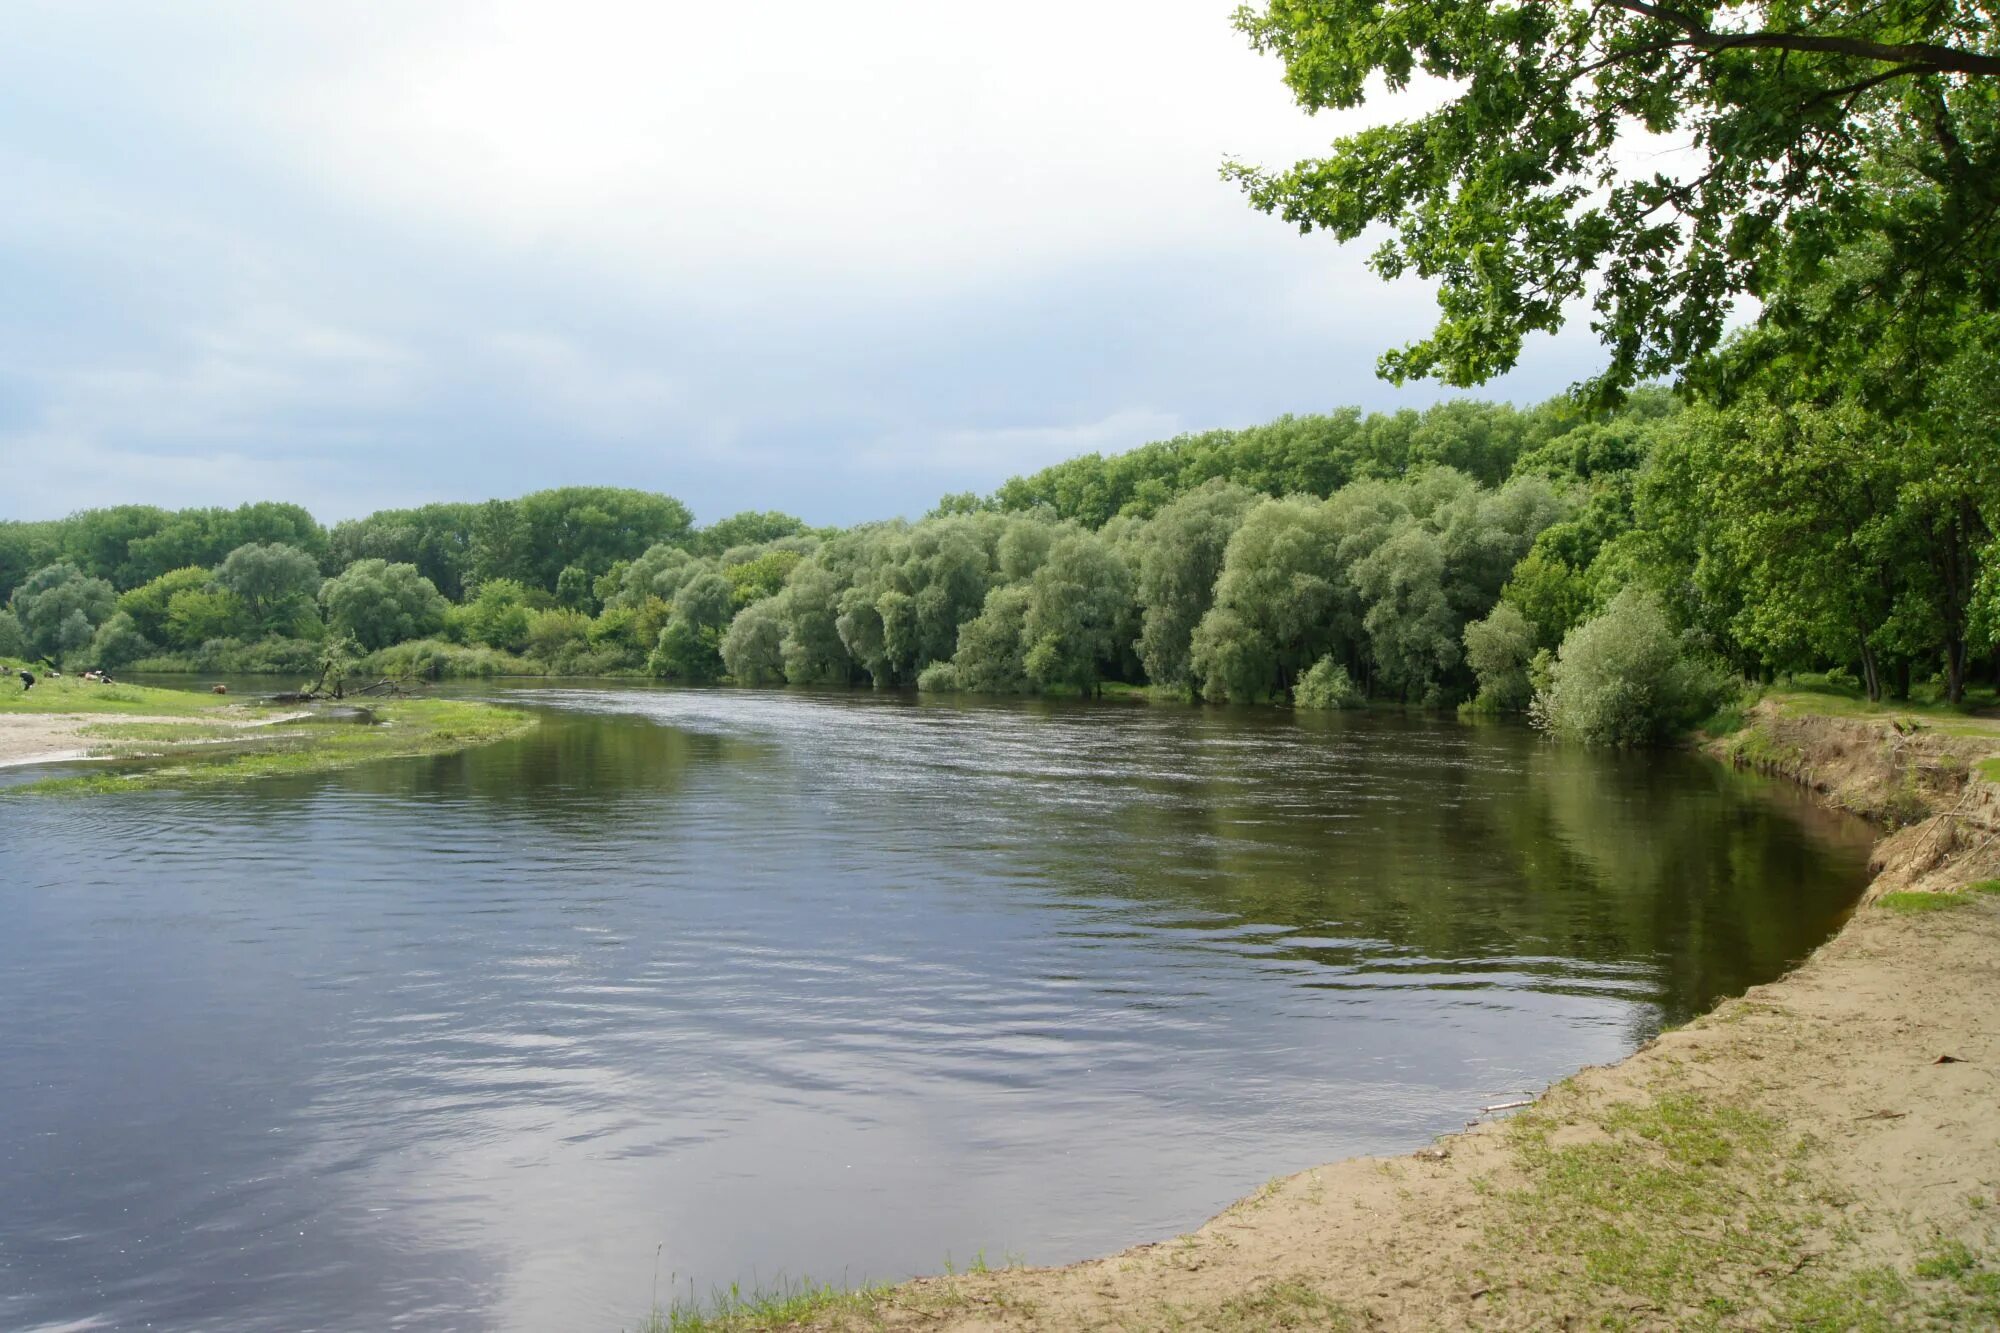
column 1327, row 686
column 1626, row 678
column 118, row 643
column 1499, row 649
column 434, row 659
column 938, row 678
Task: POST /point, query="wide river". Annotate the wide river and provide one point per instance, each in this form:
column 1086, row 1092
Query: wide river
column 701, row 986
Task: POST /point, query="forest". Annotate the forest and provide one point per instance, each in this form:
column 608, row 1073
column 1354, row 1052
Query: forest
column 1614, row 574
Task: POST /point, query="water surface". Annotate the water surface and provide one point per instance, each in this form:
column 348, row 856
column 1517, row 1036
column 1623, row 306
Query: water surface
column 742, row 984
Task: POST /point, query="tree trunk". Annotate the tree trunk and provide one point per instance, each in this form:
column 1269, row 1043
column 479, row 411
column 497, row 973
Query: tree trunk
column 1902, row 686
column 1954, row 670
column 1871, row 673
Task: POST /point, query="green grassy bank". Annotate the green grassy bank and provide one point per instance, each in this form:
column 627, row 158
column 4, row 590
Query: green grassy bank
column 176, row 738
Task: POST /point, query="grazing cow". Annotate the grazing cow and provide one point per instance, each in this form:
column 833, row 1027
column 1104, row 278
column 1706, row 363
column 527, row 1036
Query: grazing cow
column 218, row 689
column 27, row 680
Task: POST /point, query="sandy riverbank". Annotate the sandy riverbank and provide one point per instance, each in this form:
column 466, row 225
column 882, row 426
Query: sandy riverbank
column 1822, row 1153
column 50, row 738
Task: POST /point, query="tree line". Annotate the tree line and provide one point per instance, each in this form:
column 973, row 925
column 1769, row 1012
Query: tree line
column 1609, row 572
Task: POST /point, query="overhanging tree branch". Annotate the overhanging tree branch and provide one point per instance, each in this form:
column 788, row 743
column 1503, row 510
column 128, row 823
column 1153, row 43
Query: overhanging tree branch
column 1924, row 57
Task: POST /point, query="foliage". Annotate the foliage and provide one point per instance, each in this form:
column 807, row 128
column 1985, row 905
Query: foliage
column 1499, row 649
column 117, row 644
column 749, row 528
column 59, row 608
column 1181, row 553
column 1327, row 686
column 434, row 659
column 276, row 583
column 497, row 615
column 1526, row 190
column 148, row 603
column 1627, row 678
column 196, row 615
column 380, row 603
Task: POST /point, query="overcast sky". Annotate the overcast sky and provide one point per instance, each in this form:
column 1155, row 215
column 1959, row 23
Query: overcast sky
column 838, row 260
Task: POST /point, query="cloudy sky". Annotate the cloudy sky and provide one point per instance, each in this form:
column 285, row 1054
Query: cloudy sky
column 838, row 259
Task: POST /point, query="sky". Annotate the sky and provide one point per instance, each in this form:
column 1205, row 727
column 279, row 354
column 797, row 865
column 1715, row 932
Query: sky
column 832, row 259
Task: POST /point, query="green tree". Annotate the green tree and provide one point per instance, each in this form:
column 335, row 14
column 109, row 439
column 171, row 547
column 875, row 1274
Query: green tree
column 278, row 584
column 147, row 604
column 690, row 645
column 1080, row 614
column 749, row 528
column 59, row 608
column 556, row 633
column 1499, row 649
column 989, row 656
column 118, row 643
column 380, row 604
column 436, row 538
column 1181, row 552
column 196, row 615
column 1273, row 615
column 753, row 647
column 498, row 615
column 205, row 536
column 573, row 589
column 1524, row 192
column 1627, row 679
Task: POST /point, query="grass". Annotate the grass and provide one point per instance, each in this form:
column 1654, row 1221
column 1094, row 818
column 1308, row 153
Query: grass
column 1912, row 904
column 403, row 728
column 735, row 1311
column 1677, row 1200
column 1951, row 1285
column 1916, row 904
column 69, row 694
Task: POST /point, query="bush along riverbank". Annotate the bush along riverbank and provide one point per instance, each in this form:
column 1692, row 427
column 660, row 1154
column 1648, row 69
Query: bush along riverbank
column 1822, row 1153
column 178, row 738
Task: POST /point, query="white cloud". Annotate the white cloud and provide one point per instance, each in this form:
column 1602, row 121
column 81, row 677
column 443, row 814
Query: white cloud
column 993, row 454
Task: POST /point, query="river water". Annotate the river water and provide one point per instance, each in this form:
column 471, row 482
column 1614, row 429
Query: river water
column 698, row 986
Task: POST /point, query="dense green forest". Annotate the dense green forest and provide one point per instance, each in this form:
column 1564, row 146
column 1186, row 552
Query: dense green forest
column 1612, row 572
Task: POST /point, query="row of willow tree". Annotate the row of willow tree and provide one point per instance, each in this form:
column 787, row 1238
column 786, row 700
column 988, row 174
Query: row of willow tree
column 1612, row 571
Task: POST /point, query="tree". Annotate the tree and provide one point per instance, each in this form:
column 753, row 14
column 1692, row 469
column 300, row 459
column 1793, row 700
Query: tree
column 1079, row 613
column 379, row 603
column 1525, row 190
column 1274, row 602
column 690, row 644
column 59, row 608
column 436, row 538
column 275, row 582
column 556, row 632
column 147, row 604
column 196, row 615
column 1499, row 649
column 573, row 589
column 118, row 643
column 1626, row 678
column 753, row 646
column 497, row 615
column 988, row 659
column 1181, row 553
column 749, row 528
column 205, row 536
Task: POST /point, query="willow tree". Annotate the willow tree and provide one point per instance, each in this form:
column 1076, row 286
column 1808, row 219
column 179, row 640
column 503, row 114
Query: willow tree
column 1540, row 180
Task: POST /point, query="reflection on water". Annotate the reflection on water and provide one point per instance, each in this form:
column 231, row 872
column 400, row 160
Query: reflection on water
column 833, row 984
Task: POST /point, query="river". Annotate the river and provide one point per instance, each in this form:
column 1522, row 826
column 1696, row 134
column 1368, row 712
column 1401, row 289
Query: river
column 691, row 987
